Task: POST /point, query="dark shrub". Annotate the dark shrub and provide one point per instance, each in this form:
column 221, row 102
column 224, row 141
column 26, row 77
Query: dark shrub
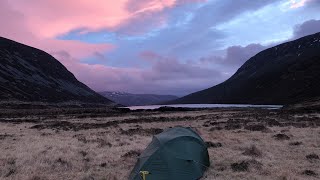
column 273, row 122
column 309, row 173
column 213, row 145
column 231, row 126
column 297, row 143
column 312, row 156
column 242, row 166
column 281, row 137
column 103, row 165
column 132, row 153
column 256, row 127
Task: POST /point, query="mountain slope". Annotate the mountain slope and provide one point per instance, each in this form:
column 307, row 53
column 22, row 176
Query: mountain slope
column 128, row 99
column 31, row 75
column 312, row 104
column 284, row 74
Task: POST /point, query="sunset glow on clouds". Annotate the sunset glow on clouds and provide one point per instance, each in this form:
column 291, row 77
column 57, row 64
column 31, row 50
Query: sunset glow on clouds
column 298, row 3
column 53, row 17
column 155, row 46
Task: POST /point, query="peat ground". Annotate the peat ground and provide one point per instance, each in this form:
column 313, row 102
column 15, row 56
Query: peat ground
column 101, row 143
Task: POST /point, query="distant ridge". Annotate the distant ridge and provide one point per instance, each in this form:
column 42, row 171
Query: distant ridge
column 129, row 99
column 283, row 74
column 28, row 74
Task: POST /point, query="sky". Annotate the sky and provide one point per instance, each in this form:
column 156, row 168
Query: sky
column 156, row 46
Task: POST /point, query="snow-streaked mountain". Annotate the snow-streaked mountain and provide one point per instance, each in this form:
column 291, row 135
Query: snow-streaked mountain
column 287, row 73
column 31, row 75
column 128, row 99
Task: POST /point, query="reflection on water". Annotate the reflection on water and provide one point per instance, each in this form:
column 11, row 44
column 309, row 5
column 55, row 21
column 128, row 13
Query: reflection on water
column 208, row 106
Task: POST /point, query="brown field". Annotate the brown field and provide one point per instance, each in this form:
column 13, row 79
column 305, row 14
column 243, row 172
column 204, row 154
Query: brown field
column 92, row 144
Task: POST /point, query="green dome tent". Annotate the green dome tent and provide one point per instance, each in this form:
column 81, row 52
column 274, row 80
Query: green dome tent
column 177, row 153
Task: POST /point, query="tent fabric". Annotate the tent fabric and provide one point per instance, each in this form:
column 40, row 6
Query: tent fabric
column 177, row 153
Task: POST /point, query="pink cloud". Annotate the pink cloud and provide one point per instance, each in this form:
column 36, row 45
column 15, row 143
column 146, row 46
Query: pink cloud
column 298, row 3
column 54, row 17
column 37, row 23
column 15, row 27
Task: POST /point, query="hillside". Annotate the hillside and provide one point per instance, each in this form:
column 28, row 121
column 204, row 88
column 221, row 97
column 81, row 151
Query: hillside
column 283, row 74
column 312, row 104
column 129, row 99
column 31, row 75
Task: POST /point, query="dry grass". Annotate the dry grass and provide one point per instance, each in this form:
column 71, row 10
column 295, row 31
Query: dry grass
column 244, row 144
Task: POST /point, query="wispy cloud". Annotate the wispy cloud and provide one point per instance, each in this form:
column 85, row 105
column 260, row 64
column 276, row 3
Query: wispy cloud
column 155, row 46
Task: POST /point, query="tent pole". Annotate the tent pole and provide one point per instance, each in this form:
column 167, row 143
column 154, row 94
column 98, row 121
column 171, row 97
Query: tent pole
column 144, row 174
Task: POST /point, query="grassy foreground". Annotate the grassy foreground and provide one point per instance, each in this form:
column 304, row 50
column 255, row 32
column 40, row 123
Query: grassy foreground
column 90, row 144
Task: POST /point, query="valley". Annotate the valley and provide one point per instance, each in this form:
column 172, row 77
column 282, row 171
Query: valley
column 89, row 90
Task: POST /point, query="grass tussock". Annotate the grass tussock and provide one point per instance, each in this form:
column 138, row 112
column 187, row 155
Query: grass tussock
column 252, row 151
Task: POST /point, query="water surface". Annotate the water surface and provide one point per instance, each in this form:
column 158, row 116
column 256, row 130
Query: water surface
column 207, row 106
